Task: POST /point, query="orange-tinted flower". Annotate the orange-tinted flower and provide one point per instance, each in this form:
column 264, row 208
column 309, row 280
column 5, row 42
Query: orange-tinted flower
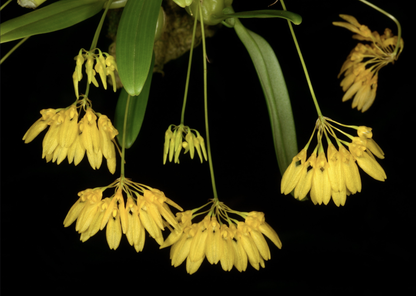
column 365, row 61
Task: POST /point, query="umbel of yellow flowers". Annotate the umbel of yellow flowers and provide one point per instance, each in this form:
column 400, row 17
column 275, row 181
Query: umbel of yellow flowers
column 335, row 174
column 233, row 244
column 183, row 137
column 365, row 61
column 105, row 65
column 144, row 209
column 68, row 137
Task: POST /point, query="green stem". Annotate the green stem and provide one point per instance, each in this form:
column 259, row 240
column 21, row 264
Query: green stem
column 100, row 25
column 13, row 49
column 211, row 168
column 5, row 4
column 95, row 39
column 87, row 90
column 188, row 74
column 315, row 101
column 399, row 28
column 123, row 141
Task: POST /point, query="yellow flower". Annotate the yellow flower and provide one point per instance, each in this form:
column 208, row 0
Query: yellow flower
column 68, row 137
column 174, row 143
column 105, row 65
column 365, row 61
column 234, row 244
column 142, row 210
column 41, row 124
column 334, row 174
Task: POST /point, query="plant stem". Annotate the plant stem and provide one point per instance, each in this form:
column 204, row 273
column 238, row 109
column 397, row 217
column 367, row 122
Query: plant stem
column 188, row 75
column 100, row 25
column 399, row 28
column 315, row 101
column 123, row 141
column 13, row 49
column 5, row 4
column 211, row 168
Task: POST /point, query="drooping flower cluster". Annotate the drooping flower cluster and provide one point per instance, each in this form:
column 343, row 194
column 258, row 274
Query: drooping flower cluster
column 365, row 60
column 183, row 137
column 105, row 65
column 68, row 137
column 142, row 210
column 235, row 244
column 336, row 174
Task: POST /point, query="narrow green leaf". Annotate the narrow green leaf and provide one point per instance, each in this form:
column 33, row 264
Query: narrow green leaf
column 136, row 112
column 228, row 14
column 275, row 92
column 54, row 17
column 135, row 39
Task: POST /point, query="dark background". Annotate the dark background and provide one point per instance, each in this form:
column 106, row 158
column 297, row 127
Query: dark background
column 365, row 247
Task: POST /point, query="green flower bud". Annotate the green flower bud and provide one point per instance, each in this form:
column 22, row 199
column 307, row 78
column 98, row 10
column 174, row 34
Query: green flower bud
column 183, row 3
column 211, row 9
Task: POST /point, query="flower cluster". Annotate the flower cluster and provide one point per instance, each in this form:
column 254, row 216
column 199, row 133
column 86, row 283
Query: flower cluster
column 68, row 137
column 105, row 65
column 336, row 176
column 183, row 137
column 365, row 60
column 143, row 209
column 234, row 244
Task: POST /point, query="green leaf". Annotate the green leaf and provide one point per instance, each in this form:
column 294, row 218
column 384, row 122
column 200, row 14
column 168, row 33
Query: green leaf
column 275, row 92
column 228, row 14
column 135, row 39
column 136, row 111
column 54, row 17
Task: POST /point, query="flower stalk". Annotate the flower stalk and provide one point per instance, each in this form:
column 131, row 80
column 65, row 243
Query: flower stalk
column 399, row 28
column 305, row 70
column 123, row 141
column 188, row 75
column 100, row 26
column 204, row 58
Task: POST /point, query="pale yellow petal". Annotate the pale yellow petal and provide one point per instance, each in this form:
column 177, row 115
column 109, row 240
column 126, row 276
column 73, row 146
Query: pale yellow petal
column 293, row 173
column 172, row 238
column 94, row 225
column 151, row 226
column 268, row 231
column 193, row 266
column 240, row 258
column 371, row 167
column 228, row 254
column 261, row 244
column 74, row 212
column 197, row 248
column 214, row 243
column 181, row 251
column 113, row 232
column 86, row 216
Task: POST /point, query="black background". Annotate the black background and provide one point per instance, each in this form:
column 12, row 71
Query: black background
column 365, row 247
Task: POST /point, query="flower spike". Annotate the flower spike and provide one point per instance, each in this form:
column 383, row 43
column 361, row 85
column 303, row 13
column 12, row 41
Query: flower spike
column 365, row 61
column 219, row 238
column 143, row 210
column 102, row 63
column 334, row 174
column 69, row 138
column 174, row 143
